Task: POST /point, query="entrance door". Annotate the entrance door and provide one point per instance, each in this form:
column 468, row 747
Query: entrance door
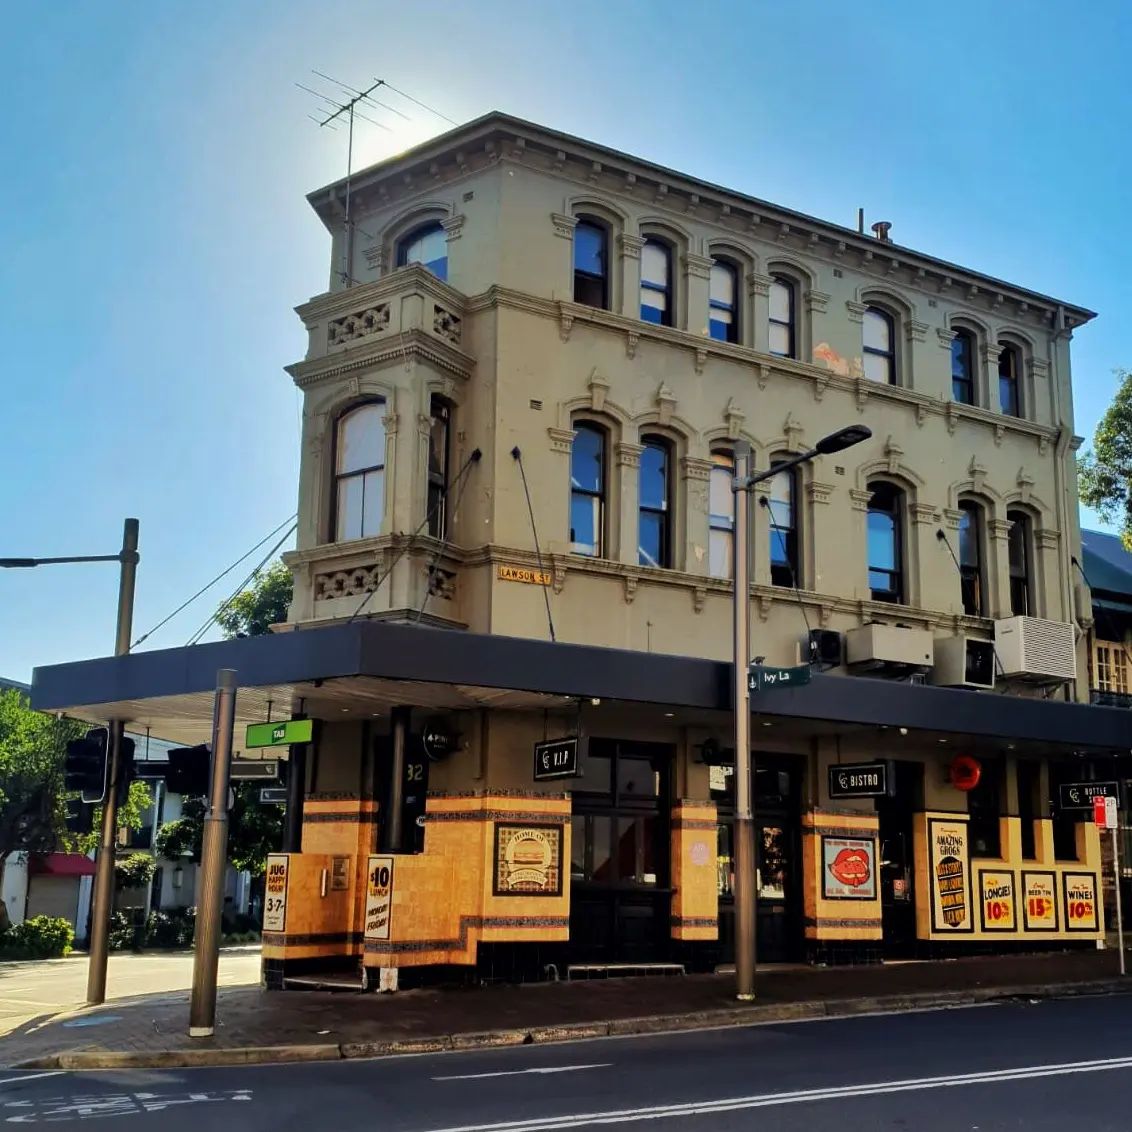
column 897, row 868
column 778, row 931
column 620, row 896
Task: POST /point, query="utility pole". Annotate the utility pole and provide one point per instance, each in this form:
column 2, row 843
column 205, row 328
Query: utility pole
column 745, row 863
column 103, row 897
column 213, row 860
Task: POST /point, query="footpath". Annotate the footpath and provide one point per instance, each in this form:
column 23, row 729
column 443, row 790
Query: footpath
column 256, row 1026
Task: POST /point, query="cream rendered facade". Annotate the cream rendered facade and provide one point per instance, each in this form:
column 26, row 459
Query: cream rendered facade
column 521, row 363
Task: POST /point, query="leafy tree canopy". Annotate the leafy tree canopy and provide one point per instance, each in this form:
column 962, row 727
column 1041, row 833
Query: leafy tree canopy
column 261, row 605
column 254, row 830
column 1106, row 471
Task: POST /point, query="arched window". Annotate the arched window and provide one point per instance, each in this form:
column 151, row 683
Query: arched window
column 440, row 414
column 591, row 263
column 1020, row 541
column 879, row 345
column 782, row 325
column 721, row 521
column 656, row 282
column 783, row 530
column 963, row 367
column 886, row 542
column 723, row 304
column 654, row 539
column 587, row 490
column 971, row 558
column 359, row 472
column 1009, row 396
column 427, row 245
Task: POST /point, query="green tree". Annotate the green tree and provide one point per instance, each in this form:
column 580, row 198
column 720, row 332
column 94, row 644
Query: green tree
column 254, row 830
column 1106, row 471
column 263, row 604
column 33, row 806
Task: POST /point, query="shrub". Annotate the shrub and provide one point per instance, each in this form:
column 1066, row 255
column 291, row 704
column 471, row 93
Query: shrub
column 134, row 871
column 171, row 929
column 123, row 932
column 41, row 937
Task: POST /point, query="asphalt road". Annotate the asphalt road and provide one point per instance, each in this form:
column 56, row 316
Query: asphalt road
column 46, row 986
column 1045, row 1066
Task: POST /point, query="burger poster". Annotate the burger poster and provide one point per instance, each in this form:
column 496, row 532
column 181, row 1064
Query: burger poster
column 848, row 868
column 528, row 860
column 950, row 876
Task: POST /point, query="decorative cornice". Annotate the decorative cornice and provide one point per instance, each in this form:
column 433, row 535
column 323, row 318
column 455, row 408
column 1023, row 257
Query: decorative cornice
column 564, row 225
column 923, row 513
column 758, row 285
column 819, row 492
column 630, row 246
column 453, row 226
column 856, row 311
column 816, row 302
column 698, row 266
column 945, row 336
column 629, row 455
column 1047, row 538
column 953, row 518
column 409, row 345
column 860, row 497
column 561, row 439
column 695, row 469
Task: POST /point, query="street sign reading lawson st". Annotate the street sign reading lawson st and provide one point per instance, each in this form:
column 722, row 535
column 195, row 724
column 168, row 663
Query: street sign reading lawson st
column 281, row 734
column 858, row 780
column 1080, row 795
column 556, row 758
column 760, row 676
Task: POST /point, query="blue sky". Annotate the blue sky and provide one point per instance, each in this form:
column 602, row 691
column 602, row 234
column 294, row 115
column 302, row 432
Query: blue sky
column 155, row 236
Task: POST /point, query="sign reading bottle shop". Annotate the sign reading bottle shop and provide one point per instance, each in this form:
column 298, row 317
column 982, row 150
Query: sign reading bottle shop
column 858, row 780
column 1080, row 795
column 556, row 758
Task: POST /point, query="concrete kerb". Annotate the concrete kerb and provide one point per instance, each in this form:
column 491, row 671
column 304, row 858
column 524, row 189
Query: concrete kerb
column 544, row 1035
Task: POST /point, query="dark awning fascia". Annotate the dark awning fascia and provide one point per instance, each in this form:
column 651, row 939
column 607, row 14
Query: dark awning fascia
column 437, row 656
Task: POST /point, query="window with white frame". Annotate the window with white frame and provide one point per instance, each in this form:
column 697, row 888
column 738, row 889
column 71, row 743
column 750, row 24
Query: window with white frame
column 359, row 472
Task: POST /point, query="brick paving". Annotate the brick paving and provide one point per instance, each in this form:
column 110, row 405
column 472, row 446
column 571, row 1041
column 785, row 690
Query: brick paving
column 251, row 1017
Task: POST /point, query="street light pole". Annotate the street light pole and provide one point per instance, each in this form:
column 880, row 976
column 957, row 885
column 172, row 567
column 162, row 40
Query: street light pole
column 745, row 864
column 127, row 558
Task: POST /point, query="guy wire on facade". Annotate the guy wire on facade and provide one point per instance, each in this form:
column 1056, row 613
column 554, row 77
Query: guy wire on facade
column 517, row 456
column 474, row 458
column 811, row 645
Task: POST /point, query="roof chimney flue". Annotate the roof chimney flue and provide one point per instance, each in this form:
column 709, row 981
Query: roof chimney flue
column 881, row 229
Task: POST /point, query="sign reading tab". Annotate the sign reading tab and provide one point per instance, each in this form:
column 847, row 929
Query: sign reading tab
column 281, row 734
column 556, row 758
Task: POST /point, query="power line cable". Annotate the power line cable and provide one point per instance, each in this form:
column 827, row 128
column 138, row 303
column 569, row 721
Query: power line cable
column 195, row 638
column 780, row 531
column 443, row 546
column 517, row 456
column 474, row 458
column 205, row 588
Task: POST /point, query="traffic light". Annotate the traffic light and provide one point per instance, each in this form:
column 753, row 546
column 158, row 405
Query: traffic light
column 188, row 770
column 125, row 768
column 80, row 816
column 84, row 769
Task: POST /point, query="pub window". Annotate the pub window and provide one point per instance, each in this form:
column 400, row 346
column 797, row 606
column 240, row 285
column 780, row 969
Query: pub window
column 723, row 307
column 721, row 507
column 984, row 807
column 1111, row 668
column 1019, row 544
column 782, row 328
column 656, row 282
column 879, row 346
column 963, row 367
column 886, row 542
column 359, row 472
column 1029, row 804
column 1009, row 398
column 783, row 529
column 591, row 263
column 438, row 451
column 426, row 245
column 654, row 541
column 587, row 490
column 971, row 558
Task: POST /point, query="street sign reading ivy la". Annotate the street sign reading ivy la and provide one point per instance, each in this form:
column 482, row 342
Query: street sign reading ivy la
column 281, row 734
column 762, row 676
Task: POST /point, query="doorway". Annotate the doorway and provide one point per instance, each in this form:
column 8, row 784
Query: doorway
column 895, row 813
column 620, row 894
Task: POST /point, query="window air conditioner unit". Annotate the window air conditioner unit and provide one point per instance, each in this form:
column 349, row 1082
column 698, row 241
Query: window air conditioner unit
column 825, row 648
column 888, row 647
column 1031, row 648
column 964, row 662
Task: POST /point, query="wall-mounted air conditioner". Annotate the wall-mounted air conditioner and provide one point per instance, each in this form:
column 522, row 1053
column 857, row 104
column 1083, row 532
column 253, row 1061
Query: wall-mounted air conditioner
column 891, row 647
column 1031, row 648
column 825, row 648
column 963, row 662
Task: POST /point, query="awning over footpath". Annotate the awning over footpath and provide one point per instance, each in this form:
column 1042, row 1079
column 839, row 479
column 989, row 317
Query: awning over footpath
column 60, row 865
column 367, row 667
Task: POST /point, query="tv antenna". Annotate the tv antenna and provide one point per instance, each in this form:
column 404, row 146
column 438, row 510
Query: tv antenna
column 348, row 111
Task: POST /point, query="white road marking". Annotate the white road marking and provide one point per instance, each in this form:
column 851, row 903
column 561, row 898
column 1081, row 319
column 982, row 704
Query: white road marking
column 766, row 1100
column 520, row 1072
column 29, row 1077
